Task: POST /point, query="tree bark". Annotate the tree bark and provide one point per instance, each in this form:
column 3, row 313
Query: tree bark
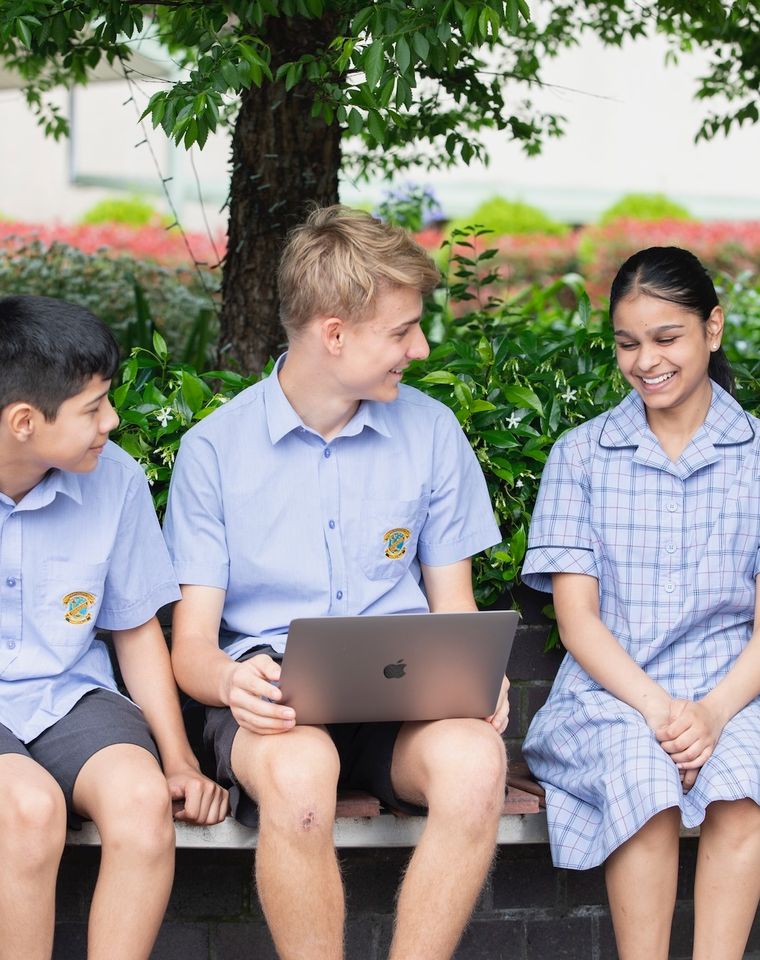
column 282, row 159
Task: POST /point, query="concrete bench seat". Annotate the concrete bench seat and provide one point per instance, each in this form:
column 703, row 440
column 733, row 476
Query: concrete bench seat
column 360, row 821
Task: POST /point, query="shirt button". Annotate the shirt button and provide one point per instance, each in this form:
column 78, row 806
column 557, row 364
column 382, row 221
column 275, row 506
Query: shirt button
column 327, row 453
column 339, row 594
column 11, row 644
column 671, row 507
column 11, row 581
column 671, row 547
column 669, row 586
column 331, row 524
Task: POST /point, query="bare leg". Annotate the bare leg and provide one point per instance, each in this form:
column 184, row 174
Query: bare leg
column 457, row 768
column 727, row 886
column 121, row 788
column 293, row 776
column 641, row 880
column 32, row 835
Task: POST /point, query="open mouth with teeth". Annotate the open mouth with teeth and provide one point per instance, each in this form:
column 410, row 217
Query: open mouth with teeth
column 654, row 381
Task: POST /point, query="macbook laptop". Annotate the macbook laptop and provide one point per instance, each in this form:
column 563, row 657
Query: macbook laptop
column 426, row 666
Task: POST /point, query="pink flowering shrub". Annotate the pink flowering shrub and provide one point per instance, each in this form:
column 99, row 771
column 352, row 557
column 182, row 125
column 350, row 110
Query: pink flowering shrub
column 154, row 243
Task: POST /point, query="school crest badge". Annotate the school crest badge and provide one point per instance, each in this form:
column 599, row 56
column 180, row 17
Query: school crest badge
column 78, row 607
column 396, row 540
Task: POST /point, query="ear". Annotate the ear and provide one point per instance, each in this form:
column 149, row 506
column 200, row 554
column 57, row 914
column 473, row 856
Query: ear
column 20, row 419
column 714, row 328
column 333, row 334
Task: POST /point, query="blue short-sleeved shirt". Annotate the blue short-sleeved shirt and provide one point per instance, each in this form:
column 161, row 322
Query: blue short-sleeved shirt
column 79, row 552
column 674, row 547
column 291, row 526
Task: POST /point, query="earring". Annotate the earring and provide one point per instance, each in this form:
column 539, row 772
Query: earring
column 714, row 347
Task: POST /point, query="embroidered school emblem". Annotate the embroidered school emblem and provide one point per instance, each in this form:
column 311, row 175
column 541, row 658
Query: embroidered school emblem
column 78, row 606
column 396, row 540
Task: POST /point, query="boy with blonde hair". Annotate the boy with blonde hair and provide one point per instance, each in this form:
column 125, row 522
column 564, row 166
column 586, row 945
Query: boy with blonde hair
column 281, row 506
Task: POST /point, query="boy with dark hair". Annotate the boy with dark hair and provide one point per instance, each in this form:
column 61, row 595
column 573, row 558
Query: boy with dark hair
column 80, row 549
column 283, row 504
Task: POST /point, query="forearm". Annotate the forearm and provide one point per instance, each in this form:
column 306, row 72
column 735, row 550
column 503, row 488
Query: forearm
column 201, row 668
column 145, row 666
column 740, row 685
column 600, row 654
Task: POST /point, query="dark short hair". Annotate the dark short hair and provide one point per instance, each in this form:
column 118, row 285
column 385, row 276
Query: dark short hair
column 675, row 275
column 49, row 350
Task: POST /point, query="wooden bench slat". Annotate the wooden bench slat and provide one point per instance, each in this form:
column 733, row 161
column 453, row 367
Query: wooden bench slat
column 520, row 778
column 356, row 803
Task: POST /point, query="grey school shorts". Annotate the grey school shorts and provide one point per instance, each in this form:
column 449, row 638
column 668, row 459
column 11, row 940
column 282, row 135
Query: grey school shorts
column 365, row 751
column 100, row 719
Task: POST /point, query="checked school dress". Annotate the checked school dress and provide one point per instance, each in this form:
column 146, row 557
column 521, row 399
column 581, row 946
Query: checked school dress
column 674, row 547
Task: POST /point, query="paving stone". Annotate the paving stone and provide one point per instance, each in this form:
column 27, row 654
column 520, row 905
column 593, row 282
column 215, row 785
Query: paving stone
column 564, row 938
column 524, row 877
column 212, row 884
column 182, row 941
column 70, row 941
column 585, row 887
column 242, row 941
column 494, row 939
column 372, row 877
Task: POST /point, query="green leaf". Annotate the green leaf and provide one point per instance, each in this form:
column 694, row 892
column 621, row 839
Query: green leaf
column 374, row 61
column 440, row 376
column 421, row 45
column 192, row 391
column 159, row 345
column 524, row 397
column 403, row 54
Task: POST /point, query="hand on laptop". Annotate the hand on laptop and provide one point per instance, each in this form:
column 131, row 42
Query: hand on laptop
column 253, row 697
column 500, row 716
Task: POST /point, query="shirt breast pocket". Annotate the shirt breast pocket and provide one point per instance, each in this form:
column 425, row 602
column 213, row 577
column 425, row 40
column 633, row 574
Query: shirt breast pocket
column 72, row 594
column 389, row 533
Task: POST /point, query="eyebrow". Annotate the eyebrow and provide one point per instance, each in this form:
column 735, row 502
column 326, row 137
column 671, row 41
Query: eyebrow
column 663, row 329
column 406, row 324
column 98, row 398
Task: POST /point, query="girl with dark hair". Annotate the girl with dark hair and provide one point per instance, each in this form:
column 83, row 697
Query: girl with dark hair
column 647, row 532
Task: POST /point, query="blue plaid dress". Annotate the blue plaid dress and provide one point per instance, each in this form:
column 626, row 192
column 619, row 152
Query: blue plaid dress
column 674, row 547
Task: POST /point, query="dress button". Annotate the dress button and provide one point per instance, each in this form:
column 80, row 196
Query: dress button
column 669, row 586
column 331, row 524
column 339, row 594
column 671, row 507
column 11, row 581
column 327, row 453
column 11, row 644
column 670, row 547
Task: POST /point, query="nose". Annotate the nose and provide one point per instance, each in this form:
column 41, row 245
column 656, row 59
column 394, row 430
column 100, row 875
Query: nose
column 648, row 357
column 109, row 418
column 419, row 347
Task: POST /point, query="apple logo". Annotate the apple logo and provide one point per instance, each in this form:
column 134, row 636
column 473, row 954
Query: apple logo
column 395, row 670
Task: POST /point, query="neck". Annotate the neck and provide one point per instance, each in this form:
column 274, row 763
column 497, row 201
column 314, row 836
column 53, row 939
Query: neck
column 675, row 427
column 314, row 395
column 17, row 479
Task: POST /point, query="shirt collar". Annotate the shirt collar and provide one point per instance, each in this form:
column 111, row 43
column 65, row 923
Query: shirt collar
column 282, row 419
column 53, row 483
column 726, row 424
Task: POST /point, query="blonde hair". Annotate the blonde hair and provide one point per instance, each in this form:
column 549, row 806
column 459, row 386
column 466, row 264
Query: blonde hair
column 340, row 260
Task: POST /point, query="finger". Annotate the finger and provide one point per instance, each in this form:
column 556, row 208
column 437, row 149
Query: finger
column 266, row 666
column 689, row 779
column 192, row 800
column 241, row 701
column 262, row 725
column 691, row 753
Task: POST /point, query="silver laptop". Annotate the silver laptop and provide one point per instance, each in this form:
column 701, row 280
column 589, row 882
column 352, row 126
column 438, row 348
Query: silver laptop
column 426, row 666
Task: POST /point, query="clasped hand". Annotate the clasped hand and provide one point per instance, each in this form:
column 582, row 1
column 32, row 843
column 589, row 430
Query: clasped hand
column 253, row 696
column 689, row 736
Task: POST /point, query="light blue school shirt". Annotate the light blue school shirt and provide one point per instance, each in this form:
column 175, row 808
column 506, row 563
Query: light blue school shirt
column 292, row 526
column 81, row 551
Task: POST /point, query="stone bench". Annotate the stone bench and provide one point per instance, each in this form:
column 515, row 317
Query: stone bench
column 360, row 821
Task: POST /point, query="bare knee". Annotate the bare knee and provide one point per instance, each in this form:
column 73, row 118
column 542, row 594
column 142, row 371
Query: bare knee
column 736, row 821
column 138, row 817
column 296, row 784
column 33, row 823
column 467, row 773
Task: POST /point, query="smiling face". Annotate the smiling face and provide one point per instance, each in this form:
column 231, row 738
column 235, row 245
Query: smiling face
column 75, row 439
column 376, row 351
column 663, row 351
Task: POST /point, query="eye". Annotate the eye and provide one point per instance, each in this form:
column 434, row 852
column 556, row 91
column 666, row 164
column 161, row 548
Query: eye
column 666, row 340
column 626, row 345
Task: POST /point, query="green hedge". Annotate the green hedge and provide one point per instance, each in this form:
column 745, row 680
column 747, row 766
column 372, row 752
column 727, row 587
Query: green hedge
column 517, row 374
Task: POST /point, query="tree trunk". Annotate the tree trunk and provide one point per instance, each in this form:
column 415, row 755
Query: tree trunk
column 282, row 159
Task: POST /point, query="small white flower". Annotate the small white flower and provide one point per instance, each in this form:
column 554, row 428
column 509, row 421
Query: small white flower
column 519, row 483
column 167, row 455
column 569, row 395
column 164, row 415
column 512, row 421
